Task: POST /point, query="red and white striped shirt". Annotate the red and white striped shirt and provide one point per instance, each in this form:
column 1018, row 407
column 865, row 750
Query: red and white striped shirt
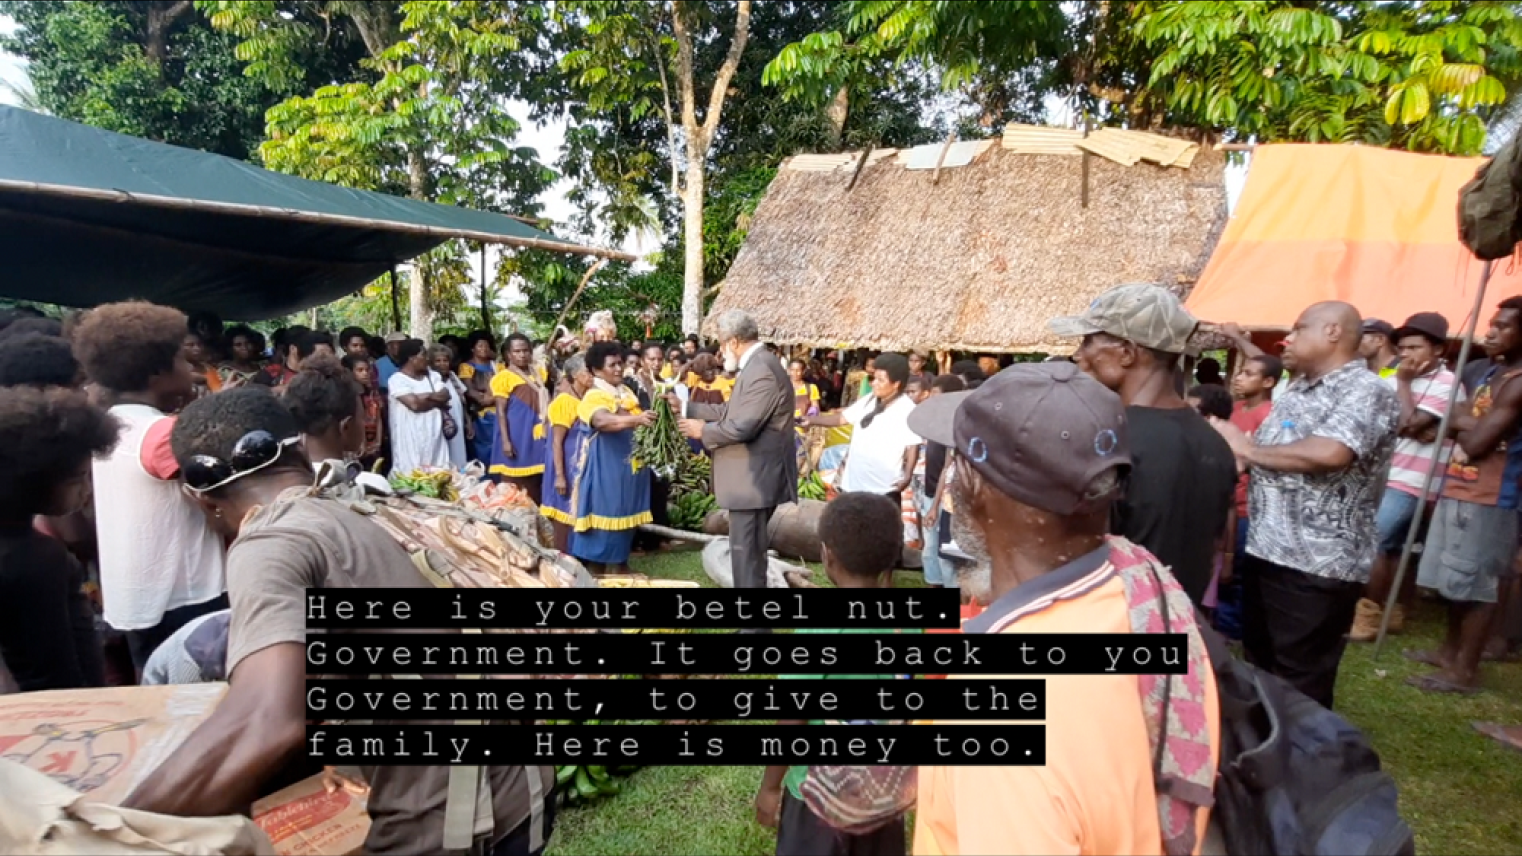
column 1412, row 458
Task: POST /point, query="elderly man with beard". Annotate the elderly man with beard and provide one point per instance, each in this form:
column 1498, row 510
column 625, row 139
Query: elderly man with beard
column 1041, row 456
column 1318, row 464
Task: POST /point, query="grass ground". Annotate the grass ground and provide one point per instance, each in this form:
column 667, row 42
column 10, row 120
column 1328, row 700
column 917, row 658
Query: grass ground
column 1459, row 790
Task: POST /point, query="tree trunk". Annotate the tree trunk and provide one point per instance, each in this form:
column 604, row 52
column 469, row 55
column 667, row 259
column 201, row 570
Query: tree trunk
column 420, row 317
column 162, row 17
column 837, row 112
column 692, row 215
column 417, row 285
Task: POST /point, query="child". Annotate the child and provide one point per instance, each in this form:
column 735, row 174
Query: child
column 860, row 534
column 374, row 403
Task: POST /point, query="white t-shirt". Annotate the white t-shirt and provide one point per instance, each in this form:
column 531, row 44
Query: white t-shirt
column 876, row 460
column 157, row 552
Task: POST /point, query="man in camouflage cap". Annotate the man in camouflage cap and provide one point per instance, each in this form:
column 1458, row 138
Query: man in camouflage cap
column 1183, row 479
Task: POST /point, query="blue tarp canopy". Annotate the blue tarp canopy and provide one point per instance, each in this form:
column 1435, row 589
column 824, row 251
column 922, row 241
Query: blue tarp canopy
column 90, row 216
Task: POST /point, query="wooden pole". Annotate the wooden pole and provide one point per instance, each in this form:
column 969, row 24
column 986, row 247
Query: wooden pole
column 485, row 302
column 1083, row 199
column 935, row 177
column 396, row 309
column 860, row 162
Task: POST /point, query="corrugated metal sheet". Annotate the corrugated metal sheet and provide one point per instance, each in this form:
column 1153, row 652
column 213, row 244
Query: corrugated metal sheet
column 959, row 154
column 1129, row 147
column 1120, row 145
column 841, row 160
column 1041, row 139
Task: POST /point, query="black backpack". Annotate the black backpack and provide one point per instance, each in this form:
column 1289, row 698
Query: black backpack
column 1296, row 779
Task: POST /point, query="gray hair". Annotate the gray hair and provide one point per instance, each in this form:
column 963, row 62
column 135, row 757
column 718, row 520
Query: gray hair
column 574, row 365
column 435, row 349
column 737, row 324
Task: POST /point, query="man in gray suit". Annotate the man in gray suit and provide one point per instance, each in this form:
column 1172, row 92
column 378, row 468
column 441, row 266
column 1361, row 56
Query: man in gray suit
column 755, row 468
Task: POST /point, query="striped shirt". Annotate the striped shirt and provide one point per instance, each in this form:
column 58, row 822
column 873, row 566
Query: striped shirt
column 1413, row 458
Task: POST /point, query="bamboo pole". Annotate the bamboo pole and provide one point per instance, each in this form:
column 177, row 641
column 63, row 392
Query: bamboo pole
column 271, row 213
column 1437, row 460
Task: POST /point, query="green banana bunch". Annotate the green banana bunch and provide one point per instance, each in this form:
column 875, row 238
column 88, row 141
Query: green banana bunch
column 812, row 487
column 690, row 510
column 437, row 484
column 586, row 783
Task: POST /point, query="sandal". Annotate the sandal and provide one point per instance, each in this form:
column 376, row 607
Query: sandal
column 1426, row 658
column 1435, row 684
column 1499, row 733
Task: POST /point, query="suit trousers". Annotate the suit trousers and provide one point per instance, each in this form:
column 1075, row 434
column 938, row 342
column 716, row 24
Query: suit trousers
column 1295, row 625
column 749, row 543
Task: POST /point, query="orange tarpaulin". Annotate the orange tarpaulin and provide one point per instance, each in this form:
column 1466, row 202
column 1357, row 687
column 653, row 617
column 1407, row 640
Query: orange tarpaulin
column 1373, row 227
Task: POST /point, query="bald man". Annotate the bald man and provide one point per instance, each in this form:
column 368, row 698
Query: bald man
column 1318, row 469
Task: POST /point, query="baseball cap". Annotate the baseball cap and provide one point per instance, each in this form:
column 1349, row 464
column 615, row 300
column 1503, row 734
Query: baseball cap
column 1039, row 432
column 1429, row 324
column 1149, row 315
column 1374, row 325
column 396, row 337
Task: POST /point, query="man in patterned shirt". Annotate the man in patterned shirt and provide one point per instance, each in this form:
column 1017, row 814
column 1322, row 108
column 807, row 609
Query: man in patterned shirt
column 1318, row 468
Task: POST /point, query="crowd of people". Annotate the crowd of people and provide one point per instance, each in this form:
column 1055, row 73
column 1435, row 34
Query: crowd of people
column 166, row 488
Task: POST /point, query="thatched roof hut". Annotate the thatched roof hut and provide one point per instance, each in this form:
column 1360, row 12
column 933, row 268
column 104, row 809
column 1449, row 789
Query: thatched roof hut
column 977, row 260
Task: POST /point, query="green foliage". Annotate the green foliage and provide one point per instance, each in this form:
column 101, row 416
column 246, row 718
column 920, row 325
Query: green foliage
column 973, row 48
column 422, row 117
column 1421, row 76
column 155, row 70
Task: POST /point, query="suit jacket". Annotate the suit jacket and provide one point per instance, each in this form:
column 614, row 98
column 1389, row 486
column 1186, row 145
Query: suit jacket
column 751, row 437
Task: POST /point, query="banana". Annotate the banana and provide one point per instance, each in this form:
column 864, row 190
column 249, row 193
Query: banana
column 584, row 787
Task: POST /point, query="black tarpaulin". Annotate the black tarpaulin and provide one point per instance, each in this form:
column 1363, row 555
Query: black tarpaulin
column 90, row 216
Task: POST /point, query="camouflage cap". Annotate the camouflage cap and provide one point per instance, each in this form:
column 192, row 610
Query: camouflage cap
column 1149, row 315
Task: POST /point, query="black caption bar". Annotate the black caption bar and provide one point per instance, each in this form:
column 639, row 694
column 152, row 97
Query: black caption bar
column 631, row 608
column 678, row 745
column 738, row 698
column 735, row 654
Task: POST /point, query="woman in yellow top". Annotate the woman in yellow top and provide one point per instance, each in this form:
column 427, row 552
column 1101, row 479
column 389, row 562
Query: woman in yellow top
column 704, row 383
column 522, row 404
column 805, row 394
column 610, row 496
column 565, row 450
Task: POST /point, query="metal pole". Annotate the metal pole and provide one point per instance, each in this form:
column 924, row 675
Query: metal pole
column 1437, row 459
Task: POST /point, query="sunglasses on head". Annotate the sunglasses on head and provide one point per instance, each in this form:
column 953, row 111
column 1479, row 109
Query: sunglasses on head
column 253, row 452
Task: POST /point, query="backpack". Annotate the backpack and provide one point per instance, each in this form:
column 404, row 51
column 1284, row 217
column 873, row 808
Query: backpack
column 1296, row 779
column 1488, row 218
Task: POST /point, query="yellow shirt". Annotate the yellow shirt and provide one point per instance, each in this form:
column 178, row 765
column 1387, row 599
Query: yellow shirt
column 1096, row 793
column 466, row 371
column 563, row 410
column 504, row 382
column 600, row 399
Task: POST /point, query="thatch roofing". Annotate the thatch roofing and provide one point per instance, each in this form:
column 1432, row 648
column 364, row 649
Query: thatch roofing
column 978, row 261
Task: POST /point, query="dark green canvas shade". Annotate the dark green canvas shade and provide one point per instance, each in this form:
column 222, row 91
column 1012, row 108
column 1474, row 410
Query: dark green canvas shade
column 90, row 216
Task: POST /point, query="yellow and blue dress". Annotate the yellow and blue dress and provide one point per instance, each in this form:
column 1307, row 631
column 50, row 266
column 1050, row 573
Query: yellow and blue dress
column 611, row 495
column 526, row 427
column 563, row 414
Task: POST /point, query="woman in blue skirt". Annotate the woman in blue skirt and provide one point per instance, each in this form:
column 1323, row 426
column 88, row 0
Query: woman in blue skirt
column 476, row 373
column 565, row 449
column 610, row 496
column 523, row 405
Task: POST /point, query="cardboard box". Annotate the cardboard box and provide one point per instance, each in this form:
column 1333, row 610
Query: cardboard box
column 306, row 820
column 102, row 742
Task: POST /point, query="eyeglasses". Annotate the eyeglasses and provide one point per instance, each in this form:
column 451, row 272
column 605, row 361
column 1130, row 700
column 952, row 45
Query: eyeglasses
column 253, row 452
